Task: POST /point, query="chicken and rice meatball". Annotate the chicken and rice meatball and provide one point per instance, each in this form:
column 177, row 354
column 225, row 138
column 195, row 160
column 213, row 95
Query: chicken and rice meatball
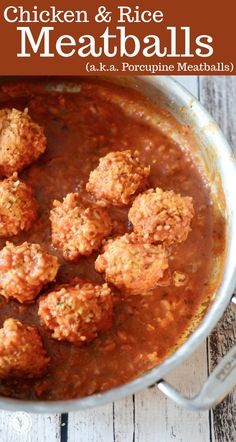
column 132, row 266
column 78, row 229
column 21, row 141
column 21, row 351
column 18, row 206
column 162, row 216
column 77, row 312
column 24, row 270
column 118, row 177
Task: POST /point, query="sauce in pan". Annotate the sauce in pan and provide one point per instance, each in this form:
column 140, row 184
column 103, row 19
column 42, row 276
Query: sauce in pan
column 80, row 128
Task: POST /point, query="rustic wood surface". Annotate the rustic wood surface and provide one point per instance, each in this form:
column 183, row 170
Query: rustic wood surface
column 218, row 95
column 149, row 416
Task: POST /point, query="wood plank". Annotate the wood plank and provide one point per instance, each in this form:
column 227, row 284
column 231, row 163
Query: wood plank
column 94, row 425
column 124, row 420
column 113, row 422
column 223, row 417
column 218, row 95
column 159, row 419
column 25, row 427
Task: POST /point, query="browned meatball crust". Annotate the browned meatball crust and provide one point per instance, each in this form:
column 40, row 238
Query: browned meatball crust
column 118, row 177
column 132, row 266
column 21, row 351
column 162, row 216
column 24, row 270
column 77, row 312
column 21, row 141
column 78, row 229
column 18, row 206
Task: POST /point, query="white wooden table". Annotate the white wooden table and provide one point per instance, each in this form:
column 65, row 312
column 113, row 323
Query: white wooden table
column 149, row 416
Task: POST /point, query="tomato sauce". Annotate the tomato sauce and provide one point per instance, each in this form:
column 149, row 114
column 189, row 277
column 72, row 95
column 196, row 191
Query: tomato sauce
column 80, row 128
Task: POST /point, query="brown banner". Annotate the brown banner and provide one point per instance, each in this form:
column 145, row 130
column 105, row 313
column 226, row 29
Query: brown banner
column 180, row 37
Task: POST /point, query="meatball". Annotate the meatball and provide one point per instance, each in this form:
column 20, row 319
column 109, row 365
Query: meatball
column 18, row 206
column 24, row 270
column 132, row 266
column 162, row 216
column 21, row 351
column 78, row 229
column 21, row 141
column 118, row 177
column 77, row 312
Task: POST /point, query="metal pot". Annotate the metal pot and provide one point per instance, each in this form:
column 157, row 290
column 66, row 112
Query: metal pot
column 215, row 156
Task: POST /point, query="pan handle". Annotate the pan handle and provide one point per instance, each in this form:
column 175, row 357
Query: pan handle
column 218, row 385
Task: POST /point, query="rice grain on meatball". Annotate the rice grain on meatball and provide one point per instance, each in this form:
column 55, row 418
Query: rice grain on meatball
column 21, row 351
column 24, row 270
column 77, row 312
column 162, row 216
column 78, row 229
column 21, row 141
column 118, row 177
column 132, row 266
column 18, row 206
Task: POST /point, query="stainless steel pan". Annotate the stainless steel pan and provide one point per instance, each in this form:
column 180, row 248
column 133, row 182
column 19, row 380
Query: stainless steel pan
column 215, row 156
